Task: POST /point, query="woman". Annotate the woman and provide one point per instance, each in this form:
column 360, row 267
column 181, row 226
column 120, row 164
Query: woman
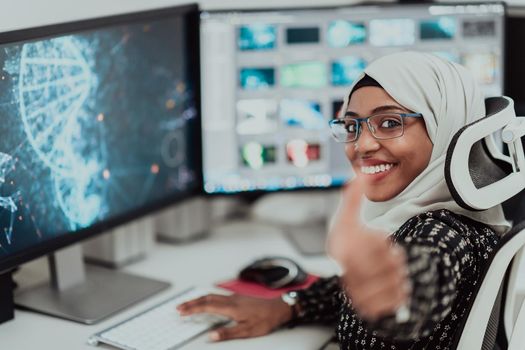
column 411, row 271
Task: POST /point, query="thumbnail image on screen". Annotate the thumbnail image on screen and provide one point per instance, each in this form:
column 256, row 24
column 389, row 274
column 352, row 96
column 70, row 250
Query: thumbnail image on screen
column 257, row 78
column 482, row 65
column 347, row 69
column 302, row 35
column 344, row 33
column 95, row 124
column 479, row 28
column 257, row 37
column 304, row 74
column 300, row 153
column 256, row 116
column 256, row 155
column 440, row 28
column 302, row 113
column 392, row 32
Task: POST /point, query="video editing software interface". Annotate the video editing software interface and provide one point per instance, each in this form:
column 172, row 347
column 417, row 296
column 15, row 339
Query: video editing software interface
column 271, row 81
column 95, row 124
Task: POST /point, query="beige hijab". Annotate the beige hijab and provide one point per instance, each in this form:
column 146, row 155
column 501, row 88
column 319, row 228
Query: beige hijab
column 449, row 98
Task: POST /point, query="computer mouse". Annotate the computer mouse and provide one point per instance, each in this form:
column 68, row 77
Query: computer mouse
column 274, row 272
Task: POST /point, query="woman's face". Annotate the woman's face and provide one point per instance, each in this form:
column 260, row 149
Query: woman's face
column 406, row 156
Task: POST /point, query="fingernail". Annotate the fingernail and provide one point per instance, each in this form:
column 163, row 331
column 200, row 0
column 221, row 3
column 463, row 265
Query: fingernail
column 214, row 336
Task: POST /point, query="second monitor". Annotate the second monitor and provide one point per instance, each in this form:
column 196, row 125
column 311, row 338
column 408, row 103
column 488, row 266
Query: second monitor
column 272, row 80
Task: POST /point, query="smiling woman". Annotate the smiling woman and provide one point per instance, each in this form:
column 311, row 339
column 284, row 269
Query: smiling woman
column 402, row 242
column 391, row 162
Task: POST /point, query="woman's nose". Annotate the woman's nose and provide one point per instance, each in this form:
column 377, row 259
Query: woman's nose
column 366, row 141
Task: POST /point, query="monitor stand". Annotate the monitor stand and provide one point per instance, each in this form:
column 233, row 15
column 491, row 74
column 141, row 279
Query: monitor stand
column 83, row 293
column 6, row 296
column 303, row 217
column 310, row 239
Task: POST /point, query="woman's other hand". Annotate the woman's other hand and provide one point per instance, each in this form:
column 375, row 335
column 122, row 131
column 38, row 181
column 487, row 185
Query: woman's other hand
column 374, row 271
column 253, row 316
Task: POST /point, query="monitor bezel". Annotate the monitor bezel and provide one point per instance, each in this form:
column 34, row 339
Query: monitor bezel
column 192, row 14
column 251, row 194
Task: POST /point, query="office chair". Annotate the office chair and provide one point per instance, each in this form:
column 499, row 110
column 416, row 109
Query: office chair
column 480, row 176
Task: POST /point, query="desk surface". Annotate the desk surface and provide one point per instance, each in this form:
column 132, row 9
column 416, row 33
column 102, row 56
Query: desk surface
column 200, row 263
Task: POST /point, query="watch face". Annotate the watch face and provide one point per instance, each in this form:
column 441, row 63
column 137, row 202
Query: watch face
column 292, row 295
column 290, row 298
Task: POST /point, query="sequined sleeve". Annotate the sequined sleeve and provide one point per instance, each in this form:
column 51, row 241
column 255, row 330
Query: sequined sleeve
column 447, row 254
column 439, row 258
column 319, row 303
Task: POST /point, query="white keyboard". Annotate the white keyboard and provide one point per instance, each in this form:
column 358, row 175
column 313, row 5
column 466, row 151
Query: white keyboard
column 159, row 328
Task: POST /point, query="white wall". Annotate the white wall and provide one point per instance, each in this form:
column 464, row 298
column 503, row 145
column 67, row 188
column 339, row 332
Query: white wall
column 17, row 14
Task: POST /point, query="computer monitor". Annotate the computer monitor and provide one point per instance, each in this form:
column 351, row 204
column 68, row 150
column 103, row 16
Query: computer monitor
column 515, row 69
column 100, row 126
column 272, row 79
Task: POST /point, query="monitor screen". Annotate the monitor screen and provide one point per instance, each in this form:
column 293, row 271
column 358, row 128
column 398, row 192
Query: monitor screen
column 99, row 125
column 514, row 67
column 271, row 81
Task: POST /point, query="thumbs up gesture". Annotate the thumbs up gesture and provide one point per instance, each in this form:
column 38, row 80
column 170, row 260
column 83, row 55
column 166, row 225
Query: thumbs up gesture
column 374, row 271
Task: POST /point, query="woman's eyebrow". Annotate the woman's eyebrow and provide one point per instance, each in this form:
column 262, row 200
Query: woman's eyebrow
column 385, row 108
column 351, row 114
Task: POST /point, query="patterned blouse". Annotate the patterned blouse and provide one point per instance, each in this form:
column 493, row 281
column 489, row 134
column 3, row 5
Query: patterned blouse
column 446, row 254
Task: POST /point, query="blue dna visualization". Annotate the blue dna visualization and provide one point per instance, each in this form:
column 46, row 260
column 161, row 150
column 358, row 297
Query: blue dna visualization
column 96, row 125
column 7, row 203
column 55, row 80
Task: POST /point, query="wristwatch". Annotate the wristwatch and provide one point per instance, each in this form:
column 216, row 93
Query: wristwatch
column 290, row 298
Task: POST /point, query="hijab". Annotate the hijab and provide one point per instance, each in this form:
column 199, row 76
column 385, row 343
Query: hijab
column 447, row 96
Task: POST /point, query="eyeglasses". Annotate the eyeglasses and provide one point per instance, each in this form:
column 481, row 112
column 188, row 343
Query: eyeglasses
column 382, row 126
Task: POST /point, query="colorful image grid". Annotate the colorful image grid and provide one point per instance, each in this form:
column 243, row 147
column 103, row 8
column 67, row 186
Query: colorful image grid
column 268, row 116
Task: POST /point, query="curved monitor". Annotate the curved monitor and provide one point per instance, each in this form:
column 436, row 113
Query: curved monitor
column 100, row 125
column 272, row 80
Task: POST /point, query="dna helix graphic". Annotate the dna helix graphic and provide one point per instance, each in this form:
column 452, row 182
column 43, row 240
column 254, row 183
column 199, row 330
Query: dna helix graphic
column 54, row 83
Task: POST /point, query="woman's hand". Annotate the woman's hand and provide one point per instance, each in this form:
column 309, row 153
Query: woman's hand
column 374, row 271
column 253, row 316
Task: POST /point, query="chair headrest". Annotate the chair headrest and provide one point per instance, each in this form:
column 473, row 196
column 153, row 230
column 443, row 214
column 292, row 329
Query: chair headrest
column 478, row 175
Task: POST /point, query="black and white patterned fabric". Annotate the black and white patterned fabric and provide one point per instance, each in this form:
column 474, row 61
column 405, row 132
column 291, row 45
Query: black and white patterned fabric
column 447, row 254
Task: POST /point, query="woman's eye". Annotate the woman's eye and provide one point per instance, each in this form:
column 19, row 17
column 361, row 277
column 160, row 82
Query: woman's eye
column 351, row 128
column 390, row 123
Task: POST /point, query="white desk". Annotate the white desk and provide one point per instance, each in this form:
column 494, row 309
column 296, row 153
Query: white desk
column 201, row 263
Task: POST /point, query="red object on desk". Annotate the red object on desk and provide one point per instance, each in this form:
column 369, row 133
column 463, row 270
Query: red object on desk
column 256, row 290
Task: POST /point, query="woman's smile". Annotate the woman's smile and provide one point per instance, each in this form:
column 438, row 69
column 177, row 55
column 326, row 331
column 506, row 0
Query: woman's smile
column 376, row 170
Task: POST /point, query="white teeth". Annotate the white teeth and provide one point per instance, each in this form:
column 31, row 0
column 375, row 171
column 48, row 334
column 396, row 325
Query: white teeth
column 376, row 169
